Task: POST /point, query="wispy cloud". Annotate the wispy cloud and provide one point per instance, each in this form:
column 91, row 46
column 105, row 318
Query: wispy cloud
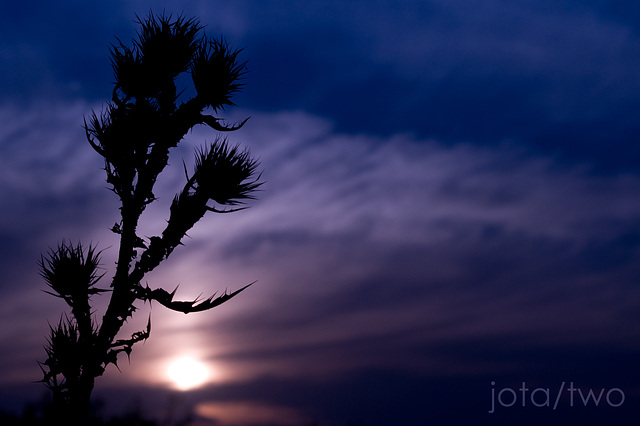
column 451, row 189
column 368, row 250
column 380, row 253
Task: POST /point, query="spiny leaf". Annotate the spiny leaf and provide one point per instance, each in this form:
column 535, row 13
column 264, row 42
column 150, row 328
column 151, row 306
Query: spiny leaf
column 198, row 305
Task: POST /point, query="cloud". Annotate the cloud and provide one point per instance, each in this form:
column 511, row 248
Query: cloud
column 367, row 251
column 370, row 253
column 556, row 77
column 435, row 205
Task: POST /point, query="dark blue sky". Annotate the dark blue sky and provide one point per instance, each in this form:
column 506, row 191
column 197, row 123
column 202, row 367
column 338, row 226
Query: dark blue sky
column 451, row 200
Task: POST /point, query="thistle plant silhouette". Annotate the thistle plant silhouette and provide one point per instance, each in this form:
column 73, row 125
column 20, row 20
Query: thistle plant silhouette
column 140, row 125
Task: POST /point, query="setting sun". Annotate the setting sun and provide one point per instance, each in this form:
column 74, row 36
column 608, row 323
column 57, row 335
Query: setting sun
column 187, row 373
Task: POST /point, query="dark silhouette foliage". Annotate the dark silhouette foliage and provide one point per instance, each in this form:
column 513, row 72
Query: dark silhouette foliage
column 135, row 134
column 41, row 413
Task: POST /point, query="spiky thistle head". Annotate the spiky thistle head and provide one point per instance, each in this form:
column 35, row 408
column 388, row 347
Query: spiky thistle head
column 70, row 272
column 215, row 71
column 163, row 50
column 167, row 45
column 226, row 175
column 63, row 353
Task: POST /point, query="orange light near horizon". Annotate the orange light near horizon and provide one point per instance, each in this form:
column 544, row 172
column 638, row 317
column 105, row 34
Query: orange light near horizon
column 187, row 373
column 240, row 413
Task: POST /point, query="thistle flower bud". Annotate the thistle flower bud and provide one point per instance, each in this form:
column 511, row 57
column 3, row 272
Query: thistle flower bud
column 215, row 73
column 70, row 272
column 225, row 175
column 163, row 50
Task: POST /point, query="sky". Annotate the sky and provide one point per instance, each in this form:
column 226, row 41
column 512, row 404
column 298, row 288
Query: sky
column 448, row 233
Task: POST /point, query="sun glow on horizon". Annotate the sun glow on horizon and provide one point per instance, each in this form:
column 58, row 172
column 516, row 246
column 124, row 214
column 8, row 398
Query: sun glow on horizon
column 187, row 373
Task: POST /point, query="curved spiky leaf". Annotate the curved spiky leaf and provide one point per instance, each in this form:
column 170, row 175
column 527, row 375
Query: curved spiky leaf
column 197, row 305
